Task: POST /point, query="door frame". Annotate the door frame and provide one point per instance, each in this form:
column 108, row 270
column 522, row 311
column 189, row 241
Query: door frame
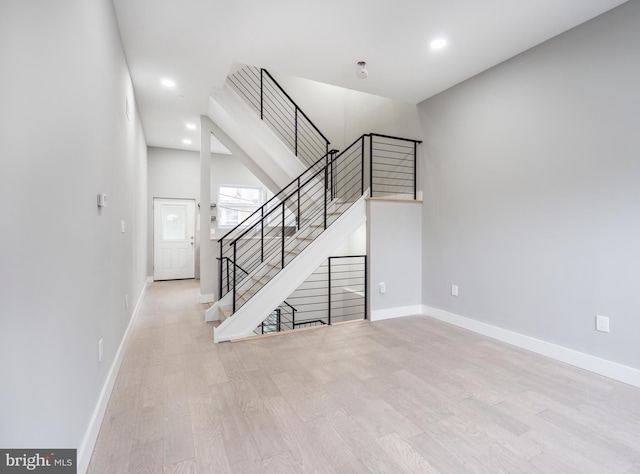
column 192, row 202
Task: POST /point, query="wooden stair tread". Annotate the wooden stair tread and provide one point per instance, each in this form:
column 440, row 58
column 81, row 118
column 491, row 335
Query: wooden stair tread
column 225, row 312
column 263, row 280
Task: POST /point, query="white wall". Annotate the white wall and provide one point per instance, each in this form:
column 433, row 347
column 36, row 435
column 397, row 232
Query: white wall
column 66, row 265
column 355, row 244
column 367, row 113
column 394, row 250
column 531, row 191
column 343, row 115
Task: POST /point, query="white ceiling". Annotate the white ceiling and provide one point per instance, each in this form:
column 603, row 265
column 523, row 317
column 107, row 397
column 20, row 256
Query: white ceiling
column 195, row 43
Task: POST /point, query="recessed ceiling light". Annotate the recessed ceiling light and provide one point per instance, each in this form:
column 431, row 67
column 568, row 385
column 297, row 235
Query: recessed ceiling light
column 168, row 83
column 191, row 126
column 438, row 43
column 186, row 141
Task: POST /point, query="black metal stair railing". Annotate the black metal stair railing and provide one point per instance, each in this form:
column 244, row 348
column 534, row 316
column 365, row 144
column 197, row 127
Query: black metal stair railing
column 280, row 112
column 264, row 243
column 283, row 318
column 335, row 292
column 267, row 222
column 272, row 236
column 392, row 166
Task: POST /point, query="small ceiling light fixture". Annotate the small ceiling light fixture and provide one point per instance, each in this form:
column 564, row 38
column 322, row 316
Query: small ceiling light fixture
column 191, row 126
column 362, row 72
column 438, row 43
column 168, row 83
column 186, row 141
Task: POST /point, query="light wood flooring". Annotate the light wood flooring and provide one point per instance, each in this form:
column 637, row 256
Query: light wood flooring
column 405, row 395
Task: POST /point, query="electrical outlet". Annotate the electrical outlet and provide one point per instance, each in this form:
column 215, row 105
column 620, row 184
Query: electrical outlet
column 382, row 288
column 122, row 226
column 454, row 290
column 100, row 350
column 602, row 323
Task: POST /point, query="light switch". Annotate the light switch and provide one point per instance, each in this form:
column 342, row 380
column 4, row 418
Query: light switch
column 102, row 200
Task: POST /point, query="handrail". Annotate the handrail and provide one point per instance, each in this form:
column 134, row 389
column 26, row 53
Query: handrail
column 289, row 196
column 310, row 321
column 280, row 112
column 234, row 263
column 324, row 157
column 290, row 306
column 393, row 138
column 329, row 163
column 294, row 103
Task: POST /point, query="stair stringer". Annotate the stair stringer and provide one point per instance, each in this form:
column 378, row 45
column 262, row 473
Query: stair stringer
column 240, row 130
column 254, row 311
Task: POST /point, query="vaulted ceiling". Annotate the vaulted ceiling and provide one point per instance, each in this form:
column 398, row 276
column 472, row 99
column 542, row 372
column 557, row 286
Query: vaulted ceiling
column 196, row 42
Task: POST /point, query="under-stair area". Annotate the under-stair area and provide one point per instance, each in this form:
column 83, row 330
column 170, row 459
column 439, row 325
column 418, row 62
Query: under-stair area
column 335, row 292
column 266, row 258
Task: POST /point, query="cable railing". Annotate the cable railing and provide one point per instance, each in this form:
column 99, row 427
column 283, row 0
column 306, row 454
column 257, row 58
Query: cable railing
column 271, row 237
column 347, row 284
column 282, row 318
column 392, row 166
column 280, row 112
column 335, row 292
column 252, row 253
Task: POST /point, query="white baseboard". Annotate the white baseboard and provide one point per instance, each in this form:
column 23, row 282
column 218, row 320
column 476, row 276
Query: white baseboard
column 88, row 443
column 380, row 314
column 207, row 298
column 604, row 367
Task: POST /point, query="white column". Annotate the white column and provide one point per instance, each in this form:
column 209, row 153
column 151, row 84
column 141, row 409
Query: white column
column 208, row 249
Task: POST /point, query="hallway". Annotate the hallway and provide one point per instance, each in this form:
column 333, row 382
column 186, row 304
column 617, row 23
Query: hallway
column 404, row 395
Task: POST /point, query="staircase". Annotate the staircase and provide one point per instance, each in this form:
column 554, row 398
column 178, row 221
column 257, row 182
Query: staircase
column 258, row 122
column 266, row 257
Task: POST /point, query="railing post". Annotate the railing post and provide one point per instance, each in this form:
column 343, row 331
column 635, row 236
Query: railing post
column 415, row 169
column 261, row 95
column 298, row 210
column 283, row 222
column 220, row 270
column 371, row 165
column 262, row 234
column 333, row 181
column 362, row 167
column 295, row 130
column 329, row 290
column 235, row 246
column 278, row 320
column 325, row 196
column 366, row 289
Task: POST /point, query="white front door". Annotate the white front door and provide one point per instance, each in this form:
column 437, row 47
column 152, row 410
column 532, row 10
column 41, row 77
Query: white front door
column 174, row 228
